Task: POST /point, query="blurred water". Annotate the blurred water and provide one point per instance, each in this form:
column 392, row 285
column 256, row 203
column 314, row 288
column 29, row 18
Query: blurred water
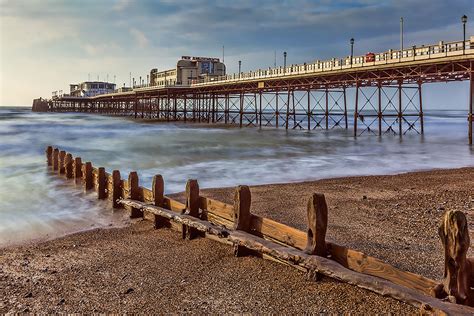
column 35, row 204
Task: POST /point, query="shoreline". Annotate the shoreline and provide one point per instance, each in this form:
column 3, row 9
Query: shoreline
column 390, row 217
column 123, row 221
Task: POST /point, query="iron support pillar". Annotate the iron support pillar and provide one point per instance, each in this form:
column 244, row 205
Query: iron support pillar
column 422, row 121
column 471, row 97
column 379, row 112
column 345, row 105
column 356, row 110
column 400, row 109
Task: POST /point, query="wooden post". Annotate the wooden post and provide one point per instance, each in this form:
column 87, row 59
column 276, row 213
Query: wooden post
column 134, row 193
column 49, row 155
column 116, row 188
column 55, row 159
column 242, row 202
column 242, row 215
column 458, row 281
column 62, row 155
column 68, row 166
column 87, row 176
column 317, row 212
column 158, row 188
column 77, row 169
column 192, row 206
column 101, row 184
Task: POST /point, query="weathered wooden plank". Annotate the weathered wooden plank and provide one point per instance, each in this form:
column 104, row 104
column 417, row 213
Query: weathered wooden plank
column 360, row 262
column 349, row 258
column 147, row 194
column 95, row 178
column 217, row 220
column 216, row 207
column 125, row 187
column 184, row 219
column 265, row 227
column 173, row 205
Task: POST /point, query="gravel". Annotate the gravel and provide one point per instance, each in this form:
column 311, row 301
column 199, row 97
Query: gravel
column 141, row 270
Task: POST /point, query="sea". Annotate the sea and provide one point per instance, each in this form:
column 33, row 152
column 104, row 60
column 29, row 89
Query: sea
column 37, row 205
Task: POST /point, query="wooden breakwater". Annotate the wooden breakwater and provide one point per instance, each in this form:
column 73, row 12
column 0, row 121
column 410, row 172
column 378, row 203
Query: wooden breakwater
column 250, row 234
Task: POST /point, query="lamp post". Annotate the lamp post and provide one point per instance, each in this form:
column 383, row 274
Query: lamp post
column 240, row 66
column 284, row 61
column 401, row 37
column 352, row 49
column 464, row 21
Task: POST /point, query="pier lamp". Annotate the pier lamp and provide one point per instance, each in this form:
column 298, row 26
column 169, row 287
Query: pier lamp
column 240, row 67
column 401, row 37
column 352, row 49
column 284, row 61
column 464, row 21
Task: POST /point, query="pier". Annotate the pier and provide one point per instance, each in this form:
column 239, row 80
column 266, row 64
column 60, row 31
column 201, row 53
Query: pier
column 310, row 96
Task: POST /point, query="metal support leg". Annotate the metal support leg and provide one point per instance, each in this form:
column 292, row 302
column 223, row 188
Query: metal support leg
column 422, row 124
column 379, row 114
column 260, row 109
column 471, row 96
column 326, row 113
column 309, row 109
column 345, row 106
column 241, row 99
column 400, row 113
column 356, row 110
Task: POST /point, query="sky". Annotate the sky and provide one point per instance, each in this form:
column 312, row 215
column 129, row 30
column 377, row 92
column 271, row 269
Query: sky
column 47, row 44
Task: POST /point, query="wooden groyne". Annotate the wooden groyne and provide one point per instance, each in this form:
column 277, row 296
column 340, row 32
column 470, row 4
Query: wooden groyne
column 250, row 234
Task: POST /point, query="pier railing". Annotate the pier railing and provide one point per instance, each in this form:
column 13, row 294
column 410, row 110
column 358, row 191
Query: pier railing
column 392, row 56
column 414, row 53
column 250, row 234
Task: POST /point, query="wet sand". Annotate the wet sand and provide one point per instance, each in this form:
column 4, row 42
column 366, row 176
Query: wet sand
column 139, row 269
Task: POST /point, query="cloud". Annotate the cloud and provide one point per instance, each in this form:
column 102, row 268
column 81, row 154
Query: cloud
column 121, row 5
column 139, row 37
column 125, row 36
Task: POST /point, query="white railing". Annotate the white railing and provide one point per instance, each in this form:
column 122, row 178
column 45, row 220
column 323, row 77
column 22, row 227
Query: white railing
column 413, row 53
